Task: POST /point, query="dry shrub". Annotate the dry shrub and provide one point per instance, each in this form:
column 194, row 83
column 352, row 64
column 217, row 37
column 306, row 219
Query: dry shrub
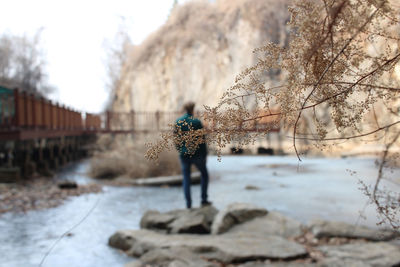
column 125, row 157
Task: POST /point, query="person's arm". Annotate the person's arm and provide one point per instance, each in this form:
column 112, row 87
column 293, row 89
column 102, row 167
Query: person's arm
column 204, row 143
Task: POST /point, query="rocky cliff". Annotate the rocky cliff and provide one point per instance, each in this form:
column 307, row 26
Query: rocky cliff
column 198, row 52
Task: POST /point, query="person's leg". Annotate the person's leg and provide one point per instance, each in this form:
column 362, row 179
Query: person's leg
column 185, row 164
column 201, row 166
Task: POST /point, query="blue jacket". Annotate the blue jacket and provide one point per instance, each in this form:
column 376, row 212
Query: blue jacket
column 184, row 124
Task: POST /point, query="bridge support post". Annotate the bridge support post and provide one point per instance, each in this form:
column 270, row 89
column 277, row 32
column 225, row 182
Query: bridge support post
column 9, row 173
column 28, row 165
column 63, row 151
column 55, row 159
column 42, row 160
column 74, row 148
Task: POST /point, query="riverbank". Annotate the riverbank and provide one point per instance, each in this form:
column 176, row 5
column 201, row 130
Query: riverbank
column 39, row 193
column 316, row 188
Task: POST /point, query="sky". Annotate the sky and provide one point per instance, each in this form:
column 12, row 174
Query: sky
column 74, row 37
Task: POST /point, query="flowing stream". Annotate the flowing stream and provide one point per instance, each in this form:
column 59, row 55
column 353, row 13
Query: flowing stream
column 326, row 188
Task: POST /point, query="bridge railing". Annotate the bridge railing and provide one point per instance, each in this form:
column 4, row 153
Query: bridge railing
column 161, row 121
column 93, row 122
column 140, row 121
column 21, row 110
column 40, row 113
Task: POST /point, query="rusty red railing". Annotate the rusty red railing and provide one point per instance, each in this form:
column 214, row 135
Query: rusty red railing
column 161, row 121
column 20, row 111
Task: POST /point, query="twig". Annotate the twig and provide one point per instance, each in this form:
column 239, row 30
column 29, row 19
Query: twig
column 381, row 165
column 381, row 210
column 324, row 73
column 358, row 82
column 348, row 137
column 65, row 233
column 394, row 89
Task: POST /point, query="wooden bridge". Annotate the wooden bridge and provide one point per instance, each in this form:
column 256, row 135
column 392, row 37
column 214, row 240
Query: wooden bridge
column 38, row 135
column 24, row 116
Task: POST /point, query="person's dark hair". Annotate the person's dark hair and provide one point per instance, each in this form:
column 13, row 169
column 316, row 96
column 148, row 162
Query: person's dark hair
column 189, row 107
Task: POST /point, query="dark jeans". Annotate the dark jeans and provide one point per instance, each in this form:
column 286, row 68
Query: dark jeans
column 200, row 163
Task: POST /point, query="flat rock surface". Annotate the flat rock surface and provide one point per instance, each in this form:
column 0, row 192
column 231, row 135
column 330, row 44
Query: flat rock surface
column 337, row 262
column 221, row 248
column 173, row 180
column 340, row 229
column 175, row 256
column 253, row 237
column 276, row 264
column 369, row 254
column 273, row 223
column 154, row 220
column 233, row 214
column 196, row 221
column 192, row 223
column 134, row 264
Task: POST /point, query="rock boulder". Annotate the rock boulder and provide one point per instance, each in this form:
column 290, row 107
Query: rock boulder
column 252, row 237
column 273, row 223
column 225, row 249
column 154, row 220
column 233, row 214
column 340, row 229
column 365, row 254
column 175, row 256
column 194, row 221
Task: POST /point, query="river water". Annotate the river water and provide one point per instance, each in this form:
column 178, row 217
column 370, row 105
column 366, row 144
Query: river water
column 324, row 188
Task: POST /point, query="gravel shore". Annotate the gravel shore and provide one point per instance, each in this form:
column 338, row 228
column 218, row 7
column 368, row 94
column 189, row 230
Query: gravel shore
column 38, row 193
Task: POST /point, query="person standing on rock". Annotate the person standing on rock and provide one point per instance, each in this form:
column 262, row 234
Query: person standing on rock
column 190, row 142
